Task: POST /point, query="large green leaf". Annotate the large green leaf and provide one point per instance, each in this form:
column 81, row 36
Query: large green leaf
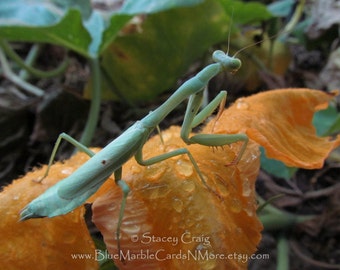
column 246, row 12
column 146, row 63
column 151, row 6
column 47, row 21
column 71, row 23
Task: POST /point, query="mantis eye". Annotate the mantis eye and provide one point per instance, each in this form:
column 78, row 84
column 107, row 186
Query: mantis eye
column 234, row 65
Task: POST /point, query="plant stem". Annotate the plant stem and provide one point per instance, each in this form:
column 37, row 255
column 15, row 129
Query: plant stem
column 93, row 116
column 10, row 75
column 31, row 58
column 282, row 253
column 273, row 218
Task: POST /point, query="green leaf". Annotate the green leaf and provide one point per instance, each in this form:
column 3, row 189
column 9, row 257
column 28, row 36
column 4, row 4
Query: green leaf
column 281, row 8
column 144, row 64
column 116, row 23
column 327, row 121
column 245, row 13
column 276, row 167
column 39, row 13
column 69, row 32
column 71, row 24
column 152, row 6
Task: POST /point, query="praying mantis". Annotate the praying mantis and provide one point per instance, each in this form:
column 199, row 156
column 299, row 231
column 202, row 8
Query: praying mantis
column 75, row 189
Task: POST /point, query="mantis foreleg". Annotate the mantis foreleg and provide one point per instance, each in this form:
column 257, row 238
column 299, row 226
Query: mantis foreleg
column 192, row 119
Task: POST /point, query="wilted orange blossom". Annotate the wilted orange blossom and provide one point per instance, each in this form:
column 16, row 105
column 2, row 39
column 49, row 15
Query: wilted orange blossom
column 168, row 201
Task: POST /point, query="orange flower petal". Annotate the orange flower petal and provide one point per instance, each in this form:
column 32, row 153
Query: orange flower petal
column 171, row 216
column 281, row 121
column 47, row 243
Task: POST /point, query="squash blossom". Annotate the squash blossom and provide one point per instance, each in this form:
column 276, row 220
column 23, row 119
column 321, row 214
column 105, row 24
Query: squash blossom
column 172, row 220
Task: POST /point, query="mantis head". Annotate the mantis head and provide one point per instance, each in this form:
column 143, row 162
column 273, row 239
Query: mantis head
column 228, row 63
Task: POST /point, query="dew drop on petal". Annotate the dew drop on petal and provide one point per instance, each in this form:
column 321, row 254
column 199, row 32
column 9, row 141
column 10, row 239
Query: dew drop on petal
column 189, row 222
column 236, row 206
column 209, row 264
column 241, row 104
column 188, row 186
column 156, row 191
column 130, row 228
column 170, row 148
column 155, row 171
column 249, row 209
column 135, row 169
column 177, row 204
column 246, row 190
column 199, row 217
column 184, row 168
column 67, row 171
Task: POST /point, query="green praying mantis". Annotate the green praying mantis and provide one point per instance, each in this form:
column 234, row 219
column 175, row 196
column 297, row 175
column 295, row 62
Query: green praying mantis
column 75, row 189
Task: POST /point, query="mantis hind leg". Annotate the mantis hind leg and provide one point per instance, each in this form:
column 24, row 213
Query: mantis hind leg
column 71, row 140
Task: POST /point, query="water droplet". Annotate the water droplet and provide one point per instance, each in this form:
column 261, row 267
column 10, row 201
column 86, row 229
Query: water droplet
column 236, row 206
column 208, row 264
column 67, row 171
column 199, row 217
column 135, row 169
column 249, row 210
column 189, row 222
column 154, row 172
column 246, row 190
column 184, row 168
column 188, row 186
column 155, row 191
column 177, row 204
column 16, row 197
column 130, row 229
column 241, row 104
